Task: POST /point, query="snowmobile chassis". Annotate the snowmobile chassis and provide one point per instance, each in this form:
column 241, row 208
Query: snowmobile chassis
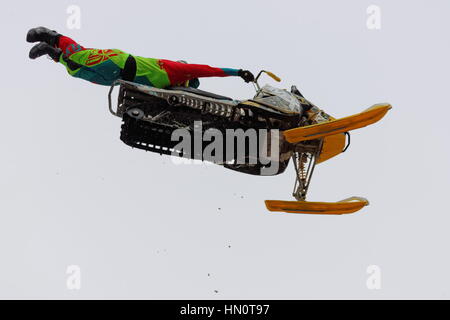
column 149, row 119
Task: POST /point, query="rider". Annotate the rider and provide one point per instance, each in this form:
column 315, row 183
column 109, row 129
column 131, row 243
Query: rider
column 104, row 67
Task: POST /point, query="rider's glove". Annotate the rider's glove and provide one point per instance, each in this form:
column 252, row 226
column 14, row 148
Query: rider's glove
column 246, row 75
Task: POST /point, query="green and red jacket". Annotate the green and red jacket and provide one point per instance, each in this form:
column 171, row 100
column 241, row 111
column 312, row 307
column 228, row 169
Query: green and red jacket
column 104, row 67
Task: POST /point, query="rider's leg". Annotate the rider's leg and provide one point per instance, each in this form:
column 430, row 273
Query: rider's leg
column 51, row 43
column 98, row 66
column 68, row 45
column 43, row 34
column 54, row 39
column 43, row 48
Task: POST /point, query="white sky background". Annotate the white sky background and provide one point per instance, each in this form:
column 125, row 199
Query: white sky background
column 141, row 227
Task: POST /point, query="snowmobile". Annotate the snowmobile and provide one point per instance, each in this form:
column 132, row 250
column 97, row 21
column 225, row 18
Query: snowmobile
column 309, row 135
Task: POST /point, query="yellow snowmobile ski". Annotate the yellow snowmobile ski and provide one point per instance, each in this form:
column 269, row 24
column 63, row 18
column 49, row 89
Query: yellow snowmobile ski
column 346, row 206
column 317, row 131
column 323, row 141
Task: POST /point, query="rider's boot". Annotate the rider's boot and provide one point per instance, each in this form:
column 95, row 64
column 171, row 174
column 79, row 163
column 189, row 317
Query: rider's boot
column 43, row 48
column 43, row 34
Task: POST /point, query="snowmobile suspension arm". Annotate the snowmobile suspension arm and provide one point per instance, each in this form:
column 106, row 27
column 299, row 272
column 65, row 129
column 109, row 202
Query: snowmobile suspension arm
column 304, row 164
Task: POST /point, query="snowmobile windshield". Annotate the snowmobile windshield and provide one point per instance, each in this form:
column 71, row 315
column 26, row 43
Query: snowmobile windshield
column 280, row 98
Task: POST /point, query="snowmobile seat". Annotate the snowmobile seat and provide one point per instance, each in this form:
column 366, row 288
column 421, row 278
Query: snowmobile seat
column 201, row 93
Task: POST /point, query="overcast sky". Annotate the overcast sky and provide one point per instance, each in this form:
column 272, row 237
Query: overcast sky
column 139, row 226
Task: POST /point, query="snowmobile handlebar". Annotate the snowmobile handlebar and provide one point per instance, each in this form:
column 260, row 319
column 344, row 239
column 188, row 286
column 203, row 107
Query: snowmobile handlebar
column 270, row 74
column 273, row 76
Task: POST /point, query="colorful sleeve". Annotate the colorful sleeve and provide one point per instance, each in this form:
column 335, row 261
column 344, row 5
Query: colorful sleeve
column 231, row 72
column 179, row 72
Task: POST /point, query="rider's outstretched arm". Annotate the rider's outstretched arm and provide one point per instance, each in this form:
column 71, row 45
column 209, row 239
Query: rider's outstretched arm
column 180, row 72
